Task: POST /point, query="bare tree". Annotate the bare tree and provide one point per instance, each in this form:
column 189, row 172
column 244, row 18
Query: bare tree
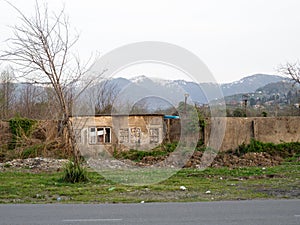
column 7, row 96
column 31, row 101
column 105, row 95
column 41, row 47
column 291, row 70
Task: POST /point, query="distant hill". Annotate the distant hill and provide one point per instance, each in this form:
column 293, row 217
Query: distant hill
column 284, row 92
column 249, row 84
column 281, row 87
column 174, row 90
column 171, row 92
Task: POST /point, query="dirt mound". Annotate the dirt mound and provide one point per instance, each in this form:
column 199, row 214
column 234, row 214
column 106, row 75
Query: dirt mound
column 249, row 159
column 223, row 159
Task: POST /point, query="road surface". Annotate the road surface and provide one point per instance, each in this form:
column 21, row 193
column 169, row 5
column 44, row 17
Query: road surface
column 256, row 212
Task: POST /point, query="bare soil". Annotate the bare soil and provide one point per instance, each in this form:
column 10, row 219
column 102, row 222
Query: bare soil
column 224, row 159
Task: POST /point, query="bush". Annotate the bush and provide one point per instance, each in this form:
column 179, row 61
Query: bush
column 238, row 112
column 20, row 127
column 283, row 150
column 32, row 151
column 74, row 173
column 138, row 155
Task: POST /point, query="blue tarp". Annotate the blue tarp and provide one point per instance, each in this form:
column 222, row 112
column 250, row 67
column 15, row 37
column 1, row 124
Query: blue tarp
column 171, row 117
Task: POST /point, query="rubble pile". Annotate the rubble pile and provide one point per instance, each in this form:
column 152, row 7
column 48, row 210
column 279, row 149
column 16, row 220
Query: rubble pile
column 35, row 164
column 198, row 160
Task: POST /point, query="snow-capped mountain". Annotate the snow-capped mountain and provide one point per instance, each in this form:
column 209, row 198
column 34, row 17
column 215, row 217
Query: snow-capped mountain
column 202, row 92
column 174, row 91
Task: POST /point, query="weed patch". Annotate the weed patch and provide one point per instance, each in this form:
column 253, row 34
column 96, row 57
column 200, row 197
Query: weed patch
column 284, row 150
column 74, row 173
column 138, row 155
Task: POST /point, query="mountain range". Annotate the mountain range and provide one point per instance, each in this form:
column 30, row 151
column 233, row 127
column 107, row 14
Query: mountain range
column 174, row 91
column 160, row 93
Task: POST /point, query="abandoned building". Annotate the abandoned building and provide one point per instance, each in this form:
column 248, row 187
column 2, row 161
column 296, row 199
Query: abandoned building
column 122, row 132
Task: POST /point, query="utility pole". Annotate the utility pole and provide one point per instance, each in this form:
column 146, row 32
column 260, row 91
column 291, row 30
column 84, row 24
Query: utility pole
column 245, row 100
column 186, row 95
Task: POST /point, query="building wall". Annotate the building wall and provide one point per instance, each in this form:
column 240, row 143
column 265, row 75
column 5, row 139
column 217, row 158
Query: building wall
column 127, row 132
column 266, row 129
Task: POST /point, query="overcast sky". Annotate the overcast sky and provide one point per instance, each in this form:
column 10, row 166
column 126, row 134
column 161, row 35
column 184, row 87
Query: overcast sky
column 234, row 38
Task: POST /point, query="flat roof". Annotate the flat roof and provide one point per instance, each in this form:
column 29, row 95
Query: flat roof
column 136, row 114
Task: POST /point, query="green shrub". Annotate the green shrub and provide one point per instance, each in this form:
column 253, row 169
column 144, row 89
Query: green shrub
column 264, row 114
column 32, row 151
column 239, row 112
column 74, row 173
column 138, row 155
column 170, row 147
column 283, row 150
column 20, row 126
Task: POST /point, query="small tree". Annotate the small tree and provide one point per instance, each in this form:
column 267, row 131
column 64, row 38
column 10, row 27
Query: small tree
column 291, row 70
column 104, row 95
column 238, row 112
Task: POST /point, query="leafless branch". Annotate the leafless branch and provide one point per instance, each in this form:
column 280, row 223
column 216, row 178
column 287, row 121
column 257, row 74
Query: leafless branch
column 291, row 70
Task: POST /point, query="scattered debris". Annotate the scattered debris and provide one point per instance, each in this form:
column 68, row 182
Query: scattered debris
column 183, row 188
column 197, row 160
column 222, row 159
column 111, row 188
column 35, row 164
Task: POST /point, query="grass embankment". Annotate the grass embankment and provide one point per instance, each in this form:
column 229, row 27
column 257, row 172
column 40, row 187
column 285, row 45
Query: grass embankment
column 212, row 184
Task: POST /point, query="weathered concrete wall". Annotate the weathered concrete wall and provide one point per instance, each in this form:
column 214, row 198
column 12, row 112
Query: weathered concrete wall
column 127, row 132
column 266, row 129
column 277, row 130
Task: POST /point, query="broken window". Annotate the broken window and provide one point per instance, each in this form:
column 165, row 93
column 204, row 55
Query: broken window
column 124, row 135
column 154, row 135
column 132, row 135
column 135, row 135
column 99, row 135
column 92, row 135
column 107, row 137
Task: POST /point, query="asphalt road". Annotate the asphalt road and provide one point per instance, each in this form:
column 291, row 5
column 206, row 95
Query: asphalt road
column 266, row 212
